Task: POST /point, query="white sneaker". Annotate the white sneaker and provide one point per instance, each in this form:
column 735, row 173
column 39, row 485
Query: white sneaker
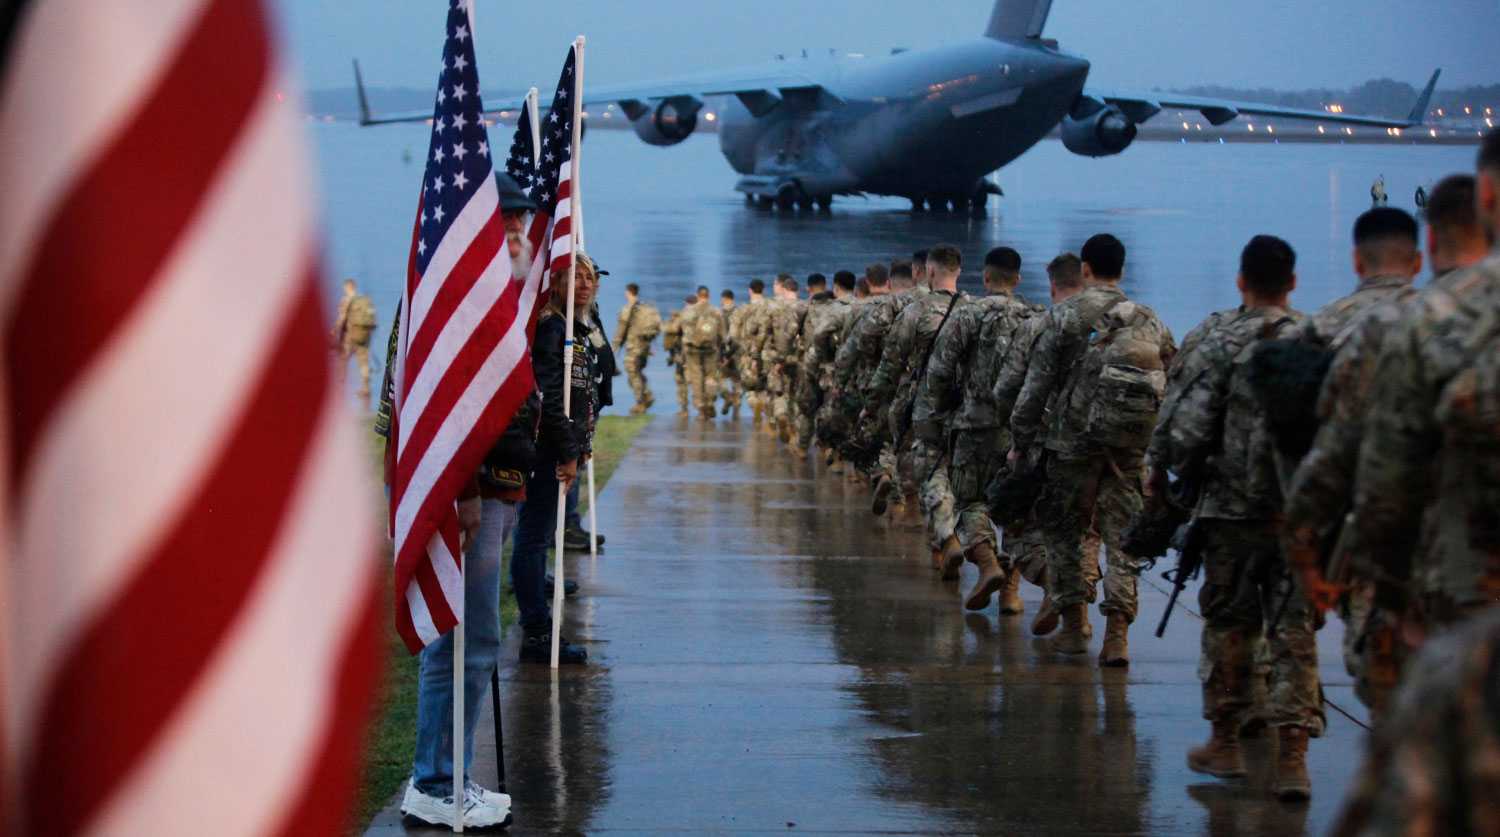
column 493, row 797
column 479, row 812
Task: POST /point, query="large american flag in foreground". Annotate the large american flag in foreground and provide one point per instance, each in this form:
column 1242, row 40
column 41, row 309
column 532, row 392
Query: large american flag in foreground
column 187, row 533
column 462, row 361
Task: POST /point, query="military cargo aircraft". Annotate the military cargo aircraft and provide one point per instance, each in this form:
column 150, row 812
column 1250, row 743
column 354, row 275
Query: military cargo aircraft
column 928, row 125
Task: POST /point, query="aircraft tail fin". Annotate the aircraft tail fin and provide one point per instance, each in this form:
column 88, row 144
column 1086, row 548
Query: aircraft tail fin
column 1418, row 113
column 359, row 90
column 1018, row 20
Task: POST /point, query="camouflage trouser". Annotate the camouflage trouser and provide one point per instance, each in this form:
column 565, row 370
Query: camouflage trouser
column 752, row 384
column 729, row 386
column 781, row 384
column 812, row 391
column 930, row 464
column 1374, row 651
column 1243, row 585
column 1092, row 495
column 977, row 455
column 635, row 374
column 360, row 351
column 701, row 369
column 679, row 372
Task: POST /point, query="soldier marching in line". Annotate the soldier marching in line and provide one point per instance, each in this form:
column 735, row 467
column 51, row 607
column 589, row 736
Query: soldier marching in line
column 702, row 347
column 827, row 320
column 351, row 336
column 671, row 341
column 729, row 378
column 639, row 325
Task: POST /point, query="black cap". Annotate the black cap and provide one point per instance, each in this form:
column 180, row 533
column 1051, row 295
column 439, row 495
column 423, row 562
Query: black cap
column 512, row 197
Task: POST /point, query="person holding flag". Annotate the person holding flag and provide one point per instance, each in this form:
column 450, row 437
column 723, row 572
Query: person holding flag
column 565, row 381
column 462, row 376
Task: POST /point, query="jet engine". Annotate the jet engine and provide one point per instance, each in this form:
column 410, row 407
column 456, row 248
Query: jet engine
column 670, row 122
column 1108, row 131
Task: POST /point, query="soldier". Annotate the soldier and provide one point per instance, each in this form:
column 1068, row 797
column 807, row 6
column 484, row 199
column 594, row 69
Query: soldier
column 1211, row 437
column 860, row 343
column 1319, row 492
column 854, row 367
column 1455, row 238
column 1427, row 484
column 702, row 346
column 671, row 340
column 1430, row 768
column 958, row 393
column 639, row 324
column 903, row 365
column 729, row 379
column 351, row 335
column 919, row 268
column 862, row 288
column 827, row 314
column 1065, row 278
column 1101, row 356
column 750, row 327
column 780, row 355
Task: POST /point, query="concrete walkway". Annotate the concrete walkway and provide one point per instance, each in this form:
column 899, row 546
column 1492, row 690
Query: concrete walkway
column 768, row 657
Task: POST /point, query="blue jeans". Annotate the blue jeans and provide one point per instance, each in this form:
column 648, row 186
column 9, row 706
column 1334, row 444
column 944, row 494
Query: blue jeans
column 528, row 561
column 432, row 768
column 574, row 522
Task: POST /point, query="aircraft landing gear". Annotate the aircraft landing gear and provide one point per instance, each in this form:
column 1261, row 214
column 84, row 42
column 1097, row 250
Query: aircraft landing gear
column 805, row 203
column 918, row 205
column 825, row 202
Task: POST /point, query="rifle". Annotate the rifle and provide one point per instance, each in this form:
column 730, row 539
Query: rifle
column 1188, row 541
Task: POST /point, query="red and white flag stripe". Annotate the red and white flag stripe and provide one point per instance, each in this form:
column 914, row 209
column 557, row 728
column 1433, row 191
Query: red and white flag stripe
column 190, row 591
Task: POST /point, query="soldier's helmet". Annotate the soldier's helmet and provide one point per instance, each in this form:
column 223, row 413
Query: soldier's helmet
column 512, row 196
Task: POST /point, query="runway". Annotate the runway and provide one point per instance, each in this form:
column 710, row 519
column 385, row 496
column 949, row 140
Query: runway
column 766, row 656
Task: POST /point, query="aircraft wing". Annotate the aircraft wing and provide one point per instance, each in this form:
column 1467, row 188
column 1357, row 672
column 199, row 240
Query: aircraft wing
column 759, row 88
column 1142, row 106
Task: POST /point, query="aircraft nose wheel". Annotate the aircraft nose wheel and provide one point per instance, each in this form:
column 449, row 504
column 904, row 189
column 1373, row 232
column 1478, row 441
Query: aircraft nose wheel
column 825, row 202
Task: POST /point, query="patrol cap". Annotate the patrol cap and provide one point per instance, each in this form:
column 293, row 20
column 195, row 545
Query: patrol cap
column 512, row 197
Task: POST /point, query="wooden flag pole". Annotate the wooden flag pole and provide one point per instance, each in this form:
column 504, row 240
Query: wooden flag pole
column 562, row 490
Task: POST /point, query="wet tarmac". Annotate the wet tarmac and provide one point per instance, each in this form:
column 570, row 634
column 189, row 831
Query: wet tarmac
column 765, row 656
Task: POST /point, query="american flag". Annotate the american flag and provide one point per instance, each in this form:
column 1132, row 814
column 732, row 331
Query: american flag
column 186, row 533
column 462, row 362
column 552, row 183
column 520, row 165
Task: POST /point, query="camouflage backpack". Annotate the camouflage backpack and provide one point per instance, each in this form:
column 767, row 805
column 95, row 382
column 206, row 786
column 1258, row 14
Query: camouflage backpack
column 361, row 316
column 1122, row 377
column 647, row 323
column 1468, row 413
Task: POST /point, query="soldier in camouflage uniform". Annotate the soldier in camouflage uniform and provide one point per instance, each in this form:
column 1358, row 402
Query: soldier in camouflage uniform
column 1319, row 492
column 1101, row 356
column 827, row 317
column 856, row 358
column 1211, row 436
column 638, row 327
column 957, row 394
column 671, row 340
column 749, row 327
column 903, row 365
column 1431, row 766
column 1023, row 532
column 780, row 354
column 729, row 378
column 1428, row 480
column 702, row 345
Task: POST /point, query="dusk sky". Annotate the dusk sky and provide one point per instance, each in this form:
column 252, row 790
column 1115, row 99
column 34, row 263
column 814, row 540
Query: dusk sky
column 1139, row 43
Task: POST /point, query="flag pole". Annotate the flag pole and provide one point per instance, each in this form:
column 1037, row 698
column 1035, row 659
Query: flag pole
column 536, row 130
column 459, row 768
column 583, row 245
column 567, row 393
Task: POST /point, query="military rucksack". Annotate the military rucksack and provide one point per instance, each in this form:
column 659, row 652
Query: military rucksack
column 361, row 315
column 1123, row 363
column 1468, row 413
column 646, row 324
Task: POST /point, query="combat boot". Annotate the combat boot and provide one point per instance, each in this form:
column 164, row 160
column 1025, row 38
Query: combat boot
column 1221, row 755
column 1046, row 617
column 991, row 578
column 1116, row 650
column 882, row 496
column 953, row 558
column 1074, row 636
column 1292, row 783
column 1010, row 593
column 755, row 414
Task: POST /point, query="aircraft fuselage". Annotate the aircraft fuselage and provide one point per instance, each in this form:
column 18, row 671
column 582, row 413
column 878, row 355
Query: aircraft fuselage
column 920, row 124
